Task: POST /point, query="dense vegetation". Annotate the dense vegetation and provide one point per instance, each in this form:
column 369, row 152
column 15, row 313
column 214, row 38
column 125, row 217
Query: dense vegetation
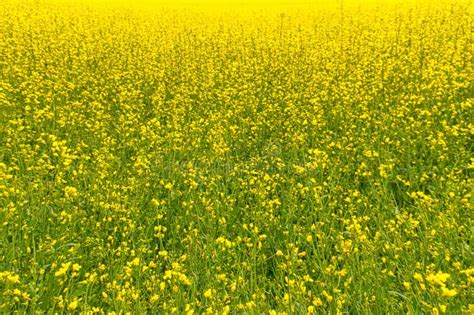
column 236, row 159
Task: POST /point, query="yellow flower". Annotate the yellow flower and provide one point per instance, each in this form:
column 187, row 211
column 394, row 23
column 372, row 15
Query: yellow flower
column 208, row 294
column 418, row 277
column 439, row 278
column 70, row 192
column 222, row 277
column 442, row 308
column 9, row 277
column 448, row 292
column 73, row 305
column 317, row 302
column 63, row 270
column 154, row 298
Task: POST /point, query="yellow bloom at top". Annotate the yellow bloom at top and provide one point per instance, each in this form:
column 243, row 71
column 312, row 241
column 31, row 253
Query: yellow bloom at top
column 154, row 298
column 208, row 294
column 448, row 292
column 76, row 267
column 70, row 192
column 442, row 308
column 9, row 277
column 418, row 277
column 73, row 305
column 439, row 278
column 63, row 270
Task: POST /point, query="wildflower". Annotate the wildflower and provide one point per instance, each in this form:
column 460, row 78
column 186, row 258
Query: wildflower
column 63, row 270
column 9, row 277
column 73, row 304
column 418, row 277
column 70, row 192
column 439, row 278
column 448, row 292
column 208, row 293
column 442, row 308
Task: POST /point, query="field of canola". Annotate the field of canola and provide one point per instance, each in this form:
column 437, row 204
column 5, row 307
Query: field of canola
column 220, row 158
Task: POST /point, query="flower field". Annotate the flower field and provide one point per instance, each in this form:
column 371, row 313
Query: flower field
column 236, row 157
